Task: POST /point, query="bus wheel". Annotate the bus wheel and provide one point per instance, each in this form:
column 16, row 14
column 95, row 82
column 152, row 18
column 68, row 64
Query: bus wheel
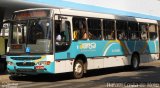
column 78, row 69
column 135, row 62
column 13, row 77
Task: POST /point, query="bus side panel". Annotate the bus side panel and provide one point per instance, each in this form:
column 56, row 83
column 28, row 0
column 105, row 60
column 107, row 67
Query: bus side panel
column 108, row 62
column 93, row 48
column 101, row 54
column 63, row 66
column 150, row 53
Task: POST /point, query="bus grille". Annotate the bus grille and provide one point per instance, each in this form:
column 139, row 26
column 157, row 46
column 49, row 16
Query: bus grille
column 25, row 64
column 25, row 58
column 25, row 70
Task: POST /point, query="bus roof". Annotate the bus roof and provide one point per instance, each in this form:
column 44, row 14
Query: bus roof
column 72, row 12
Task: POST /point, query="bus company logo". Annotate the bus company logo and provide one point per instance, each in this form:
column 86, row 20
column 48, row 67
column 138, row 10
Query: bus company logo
column 24, row 62
column 88, row 46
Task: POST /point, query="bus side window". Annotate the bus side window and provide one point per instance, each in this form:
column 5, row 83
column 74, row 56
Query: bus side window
column 109, row 32
column 133, row 32
column 122, row 29
column 79, row 28
column 65, row 33
column 144, row 29
column 62, row 35
column 94, row 29
column 57, row 30
column 152, row 31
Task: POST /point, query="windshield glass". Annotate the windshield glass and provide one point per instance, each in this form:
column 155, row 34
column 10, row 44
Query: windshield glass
column 32, row 35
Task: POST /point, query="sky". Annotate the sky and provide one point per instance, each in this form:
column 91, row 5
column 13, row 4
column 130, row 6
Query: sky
column 148, row 7
column 138, row 8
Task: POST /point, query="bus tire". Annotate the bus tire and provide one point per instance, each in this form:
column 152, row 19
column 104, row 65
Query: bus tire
column 135, row 62
column 78, row 69
column 13, row 77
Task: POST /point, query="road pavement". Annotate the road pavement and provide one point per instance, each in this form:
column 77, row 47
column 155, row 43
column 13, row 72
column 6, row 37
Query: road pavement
column 147, row 76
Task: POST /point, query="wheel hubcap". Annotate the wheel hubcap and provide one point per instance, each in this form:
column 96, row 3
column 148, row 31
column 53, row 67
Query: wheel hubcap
column 78, row 68
column 135, row 63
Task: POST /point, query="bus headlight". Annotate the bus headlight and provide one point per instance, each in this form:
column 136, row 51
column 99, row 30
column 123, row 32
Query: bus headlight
column 43, row 63
column 9, row 63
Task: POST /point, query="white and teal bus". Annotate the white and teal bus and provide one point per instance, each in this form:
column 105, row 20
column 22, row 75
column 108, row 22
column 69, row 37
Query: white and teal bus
column 51, row 41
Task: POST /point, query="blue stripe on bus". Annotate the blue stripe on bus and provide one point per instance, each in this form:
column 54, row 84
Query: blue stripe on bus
column 78, row 6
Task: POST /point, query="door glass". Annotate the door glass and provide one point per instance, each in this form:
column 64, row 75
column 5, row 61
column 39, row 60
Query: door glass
column 62, row 35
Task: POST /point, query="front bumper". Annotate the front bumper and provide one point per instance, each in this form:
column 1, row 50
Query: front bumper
column 27, row 65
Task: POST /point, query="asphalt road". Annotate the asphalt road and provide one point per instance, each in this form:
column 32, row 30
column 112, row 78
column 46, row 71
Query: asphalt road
column 147, row 76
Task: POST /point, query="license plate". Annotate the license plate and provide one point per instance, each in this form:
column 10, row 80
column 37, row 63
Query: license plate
column 39, row 67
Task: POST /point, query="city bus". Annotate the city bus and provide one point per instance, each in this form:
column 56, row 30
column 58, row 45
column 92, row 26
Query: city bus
column 53, row 40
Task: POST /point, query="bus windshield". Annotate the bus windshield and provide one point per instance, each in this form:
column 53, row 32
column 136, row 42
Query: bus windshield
column 30, row 34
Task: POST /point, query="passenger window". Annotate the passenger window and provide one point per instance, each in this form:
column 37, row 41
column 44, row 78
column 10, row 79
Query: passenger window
column 144, row 30
column 133, row 32
column 152, row 31
column 108, row 28
column 79, row 28
column 121, row 29
column 94, row 29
